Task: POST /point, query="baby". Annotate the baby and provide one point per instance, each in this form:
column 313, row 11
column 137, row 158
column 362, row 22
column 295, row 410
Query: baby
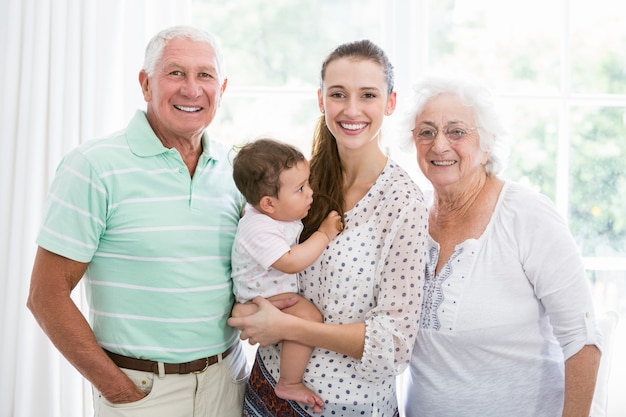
column 266, row 256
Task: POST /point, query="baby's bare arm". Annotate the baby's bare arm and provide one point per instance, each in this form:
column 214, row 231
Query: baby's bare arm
column 301, row 256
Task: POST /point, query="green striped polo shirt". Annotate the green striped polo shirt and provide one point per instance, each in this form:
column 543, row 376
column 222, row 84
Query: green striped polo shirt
column 157, row 241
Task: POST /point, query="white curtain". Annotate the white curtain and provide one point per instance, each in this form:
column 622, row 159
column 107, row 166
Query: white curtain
column 68, row 73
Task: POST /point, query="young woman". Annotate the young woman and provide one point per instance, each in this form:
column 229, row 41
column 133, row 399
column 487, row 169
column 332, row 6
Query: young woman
column 368, row 282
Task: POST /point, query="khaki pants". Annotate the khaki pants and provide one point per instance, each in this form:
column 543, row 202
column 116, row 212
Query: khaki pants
column 217, row 392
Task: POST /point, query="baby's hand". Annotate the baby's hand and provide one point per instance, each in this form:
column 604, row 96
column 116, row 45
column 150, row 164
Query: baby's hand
column 332, row 225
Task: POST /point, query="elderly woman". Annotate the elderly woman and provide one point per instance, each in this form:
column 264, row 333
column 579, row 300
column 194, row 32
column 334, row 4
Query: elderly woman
column 507, row 326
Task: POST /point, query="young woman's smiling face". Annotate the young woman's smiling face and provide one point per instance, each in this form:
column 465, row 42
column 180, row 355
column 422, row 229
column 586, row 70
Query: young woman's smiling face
column 354, row 100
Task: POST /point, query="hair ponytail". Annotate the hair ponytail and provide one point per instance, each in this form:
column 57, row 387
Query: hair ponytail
column 326, row 179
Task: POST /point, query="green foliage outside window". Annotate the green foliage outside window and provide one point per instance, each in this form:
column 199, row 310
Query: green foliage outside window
column 561, row 79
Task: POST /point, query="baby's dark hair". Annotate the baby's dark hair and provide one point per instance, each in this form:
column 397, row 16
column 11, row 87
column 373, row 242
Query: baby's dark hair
column 257, row 167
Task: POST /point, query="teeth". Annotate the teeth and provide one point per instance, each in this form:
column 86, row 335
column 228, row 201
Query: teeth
column 188, row 109
column 356, row 126
column 444, row 163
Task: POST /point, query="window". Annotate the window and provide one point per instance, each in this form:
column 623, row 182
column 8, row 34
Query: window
column 273, row 54
column 559, row 67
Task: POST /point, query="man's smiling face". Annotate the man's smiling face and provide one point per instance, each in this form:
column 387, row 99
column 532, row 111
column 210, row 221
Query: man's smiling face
column 184, row 92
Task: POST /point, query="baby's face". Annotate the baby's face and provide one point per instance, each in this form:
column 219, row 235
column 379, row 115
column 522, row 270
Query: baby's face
column 295, row 195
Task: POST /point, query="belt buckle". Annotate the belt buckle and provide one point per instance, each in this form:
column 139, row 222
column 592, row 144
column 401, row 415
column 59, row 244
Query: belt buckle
column 206, row 366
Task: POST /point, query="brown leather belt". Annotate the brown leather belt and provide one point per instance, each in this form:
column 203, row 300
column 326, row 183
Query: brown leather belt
column 197, row 366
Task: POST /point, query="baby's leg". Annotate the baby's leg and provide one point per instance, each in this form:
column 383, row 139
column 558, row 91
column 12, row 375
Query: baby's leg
column 294, row 358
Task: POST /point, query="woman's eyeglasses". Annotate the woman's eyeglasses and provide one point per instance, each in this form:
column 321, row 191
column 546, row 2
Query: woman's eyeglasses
column 452, row 132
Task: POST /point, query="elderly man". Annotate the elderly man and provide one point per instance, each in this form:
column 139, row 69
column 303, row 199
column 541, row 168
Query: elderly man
column 148, row 216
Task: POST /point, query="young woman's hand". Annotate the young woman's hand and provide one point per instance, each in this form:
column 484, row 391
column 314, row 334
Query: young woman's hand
column 260, row 320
